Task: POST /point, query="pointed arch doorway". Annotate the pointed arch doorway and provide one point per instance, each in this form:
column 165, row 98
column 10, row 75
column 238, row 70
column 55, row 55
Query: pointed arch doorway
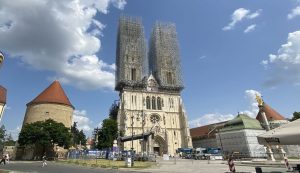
column 159, row 146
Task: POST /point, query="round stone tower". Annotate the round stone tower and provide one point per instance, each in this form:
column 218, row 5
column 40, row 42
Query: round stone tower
column 52, row 103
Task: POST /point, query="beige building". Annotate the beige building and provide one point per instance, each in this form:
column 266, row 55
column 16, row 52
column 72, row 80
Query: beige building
column 52, row 103
column 149, row 89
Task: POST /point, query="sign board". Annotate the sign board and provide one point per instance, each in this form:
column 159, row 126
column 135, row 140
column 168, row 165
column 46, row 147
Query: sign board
column 166, row 157
column 128, row 162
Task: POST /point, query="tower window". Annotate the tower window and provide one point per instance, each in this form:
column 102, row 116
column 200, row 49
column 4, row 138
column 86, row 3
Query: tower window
column 169, row 78
column 148, row 102
column 158, row 103
column 153, row 103
column 133, row 74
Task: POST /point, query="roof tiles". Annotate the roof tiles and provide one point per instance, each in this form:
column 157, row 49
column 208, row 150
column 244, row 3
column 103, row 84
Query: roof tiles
column 53, row 94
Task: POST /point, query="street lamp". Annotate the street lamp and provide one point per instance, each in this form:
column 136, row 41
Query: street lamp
column 1, row 58
column 2, row 91
column 2, row 100
column 132, row 140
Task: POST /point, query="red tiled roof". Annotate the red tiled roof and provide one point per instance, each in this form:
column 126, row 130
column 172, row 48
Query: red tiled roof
column 53, row 94
column 2, row 95
column 271, row 114
column 206, row 131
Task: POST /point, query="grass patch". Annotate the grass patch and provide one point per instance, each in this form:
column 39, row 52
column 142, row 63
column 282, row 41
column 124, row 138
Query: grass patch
column 2, row 171
column 107, row 163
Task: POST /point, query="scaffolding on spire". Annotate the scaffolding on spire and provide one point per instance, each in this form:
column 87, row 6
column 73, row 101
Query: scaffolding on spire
column 131, row 53
column 164, row 58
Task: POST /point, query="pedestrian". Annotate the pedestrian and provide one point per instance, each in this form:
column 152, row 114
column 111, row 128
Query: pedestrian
column 7, row 158
column 44, row 160
column 231, row 165
column 3, row 159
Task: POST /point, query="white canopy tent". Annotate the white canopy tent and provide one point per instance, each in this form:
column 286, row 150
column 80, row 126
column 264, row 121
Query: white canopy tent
column 287, row 134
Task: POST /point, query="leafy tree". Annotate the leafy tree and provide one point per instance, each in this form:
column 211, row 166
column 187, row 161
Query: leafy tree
column 107, row 134
column 45, row 133
column 2, row 137
column 2, row 134
column 113, row 111
column 9, row 141
column 296, row 115
column 78, row 137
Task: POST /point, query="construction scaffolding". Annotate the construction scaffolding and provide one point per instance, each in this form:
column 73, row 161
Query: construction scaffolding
column 131, row 53
column 164, row 58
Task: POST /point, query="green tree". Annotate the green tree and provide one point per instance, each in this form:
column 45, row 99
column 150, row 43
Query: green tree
column 78, row 137
column 45, row 133
column 113, row 111
column 9, row 141
column 296, row 115
column 107, row 134
column 2, row 137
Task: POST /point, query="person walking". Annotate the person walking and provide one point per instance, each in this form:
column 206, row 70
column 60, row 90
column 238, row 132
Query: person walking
column 7, row 158
column 3, row 159
column 44, row 160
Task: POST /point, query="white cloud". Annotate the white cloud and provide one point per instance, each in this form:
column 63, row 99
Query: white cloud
column 250, row 95
column 295, row 12
column 210, row 118
column 239, row 15
column 284, row 66
column 202, row 57
column 254, row 15
column 250, row 28
column 59, row 36
column 7, row 107
column 83, row 122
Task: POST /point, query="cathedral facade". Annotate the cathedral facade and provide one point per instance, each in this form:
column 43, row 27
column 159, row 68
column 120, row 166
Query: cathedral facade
column 151, row 113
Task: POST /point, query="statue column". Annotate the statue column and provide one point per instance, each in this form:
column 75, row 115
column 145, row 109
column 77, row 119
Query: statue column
column 266, row 124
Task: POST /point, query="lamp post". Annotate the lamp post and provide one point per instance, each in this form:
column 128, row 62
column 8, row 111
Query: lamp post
column 1, row 58
column 142, row 142
column 2, row 91
column 132, row 140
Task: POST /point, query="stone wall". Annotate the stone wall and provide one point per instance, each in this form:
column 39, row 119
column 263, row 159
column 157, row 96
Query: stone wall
column 42, row 112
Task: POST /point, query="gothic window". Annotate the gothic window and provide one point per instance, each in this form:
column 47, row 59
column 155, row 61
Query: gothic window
column 158, row 103
column 169, row 78
column 154, row 119
column 153, row 103
column 171, row 102
column 148, row 103
column 174, row 133
column 162, row 102
column 133, row 74
column 164, row 120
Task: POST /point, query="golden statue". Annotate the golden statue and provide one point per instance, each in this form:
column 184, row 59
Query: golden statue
column 259, row 100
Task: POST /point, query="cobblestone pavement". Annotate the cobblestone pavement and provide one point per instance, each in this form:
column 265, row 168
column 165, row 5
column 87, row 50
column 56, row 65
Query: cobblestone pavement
column 172, row 166
column 203, row 166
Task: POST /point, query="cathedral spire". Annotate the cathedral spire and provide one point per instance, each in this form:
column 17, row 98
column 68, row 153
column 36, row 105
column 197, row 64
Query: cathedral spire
column 164, row 58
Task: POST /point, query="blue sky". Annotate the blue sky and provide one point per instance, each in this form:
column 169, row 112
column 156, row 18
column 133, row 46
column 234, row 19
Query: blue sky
column 230, row 50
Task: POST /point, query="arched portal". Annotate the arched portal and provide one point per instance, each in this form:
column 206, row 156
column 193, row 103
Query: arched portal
column 160, row 146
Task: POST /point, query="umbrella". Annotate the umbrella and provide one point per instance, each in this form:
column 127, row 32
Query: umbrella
column 287, row 134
